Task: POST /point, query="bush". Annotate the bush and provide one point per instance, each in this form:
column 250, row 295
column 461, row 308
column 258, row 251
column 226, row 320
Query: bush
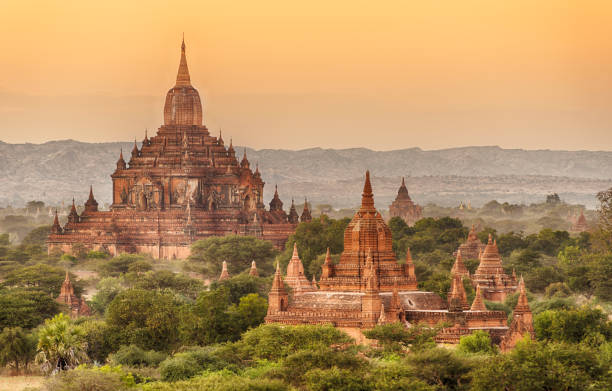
column 335, row 379
column 133, row 356
column 97, row 255
column 218, row 381
column 192, row 361
column 105, row 378
column 272, row 342
column 477, row 342
column 557, row 289
column 83, row 379
column 179, row 367
column 297, row 364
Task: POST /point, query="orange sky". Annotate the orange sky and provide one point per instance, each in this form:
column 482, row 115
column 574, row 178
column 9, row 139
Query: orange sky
column 274, row 74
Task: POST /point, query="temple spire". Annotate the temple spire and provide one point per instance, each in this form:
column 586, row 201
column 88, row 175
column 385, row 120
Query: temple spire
column 224, row 273
column 182, row 76
column 367, row 198
column 478, row 303
column 253, row 271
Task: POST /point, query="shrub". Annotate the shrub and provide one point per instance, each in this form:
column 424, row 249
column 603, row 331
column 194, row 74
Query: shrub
column 335, row 379
column 133, row 356
column 272, row 342
column 477, row 342
column 179, row 367
column 103, row 379
column 557, row 289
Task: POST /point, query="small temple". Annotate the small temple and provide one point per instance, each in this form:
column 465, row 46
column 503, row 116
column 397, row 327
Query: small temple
column 368, row 286
column 580, row 223
column 522, row 321
column 472, row 248
column 404, row 207
column 180, row 185
column 496, row 285
column 77, row 306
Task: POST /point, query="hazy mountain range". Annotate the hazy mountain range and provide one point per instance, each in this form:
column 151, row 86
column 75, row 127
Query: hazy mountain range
column 59, row 170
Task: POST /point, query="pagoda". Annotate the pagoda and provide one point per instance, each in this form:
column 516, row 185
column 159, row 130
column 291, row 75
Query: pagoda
column 472, row 247
column 77, row 306
column 178, row 186
column 580, row 225
column 368, row 286
column 404, row 207
column 490, row 275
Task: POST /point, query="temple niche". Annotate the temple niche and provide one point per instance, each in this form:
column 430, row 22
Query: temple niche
column 368, row 287
column 179, row 185
column 404, row 207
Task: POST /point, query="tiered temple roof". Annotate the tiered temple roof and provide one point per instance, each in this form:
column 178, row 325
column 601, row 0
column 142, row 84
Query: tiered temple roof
column 182, row 166
column 490, row 275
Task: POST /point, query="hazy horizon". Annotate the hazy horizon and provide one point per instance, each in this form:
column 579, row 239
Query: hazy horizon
column 273, row 75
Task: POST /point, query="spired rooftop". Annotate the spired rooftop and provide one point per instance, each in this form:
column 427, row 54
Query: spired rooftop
column 180, row 185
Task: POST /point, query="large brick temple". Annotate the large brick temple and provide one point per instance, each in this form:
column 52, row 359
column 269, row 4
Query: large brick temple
column 368, row 286
column 182, row 185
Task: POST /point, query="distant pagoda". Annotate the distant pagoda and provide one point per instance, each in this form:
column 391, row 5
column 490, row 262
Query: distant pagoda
column 181, row 185
column 404, row 207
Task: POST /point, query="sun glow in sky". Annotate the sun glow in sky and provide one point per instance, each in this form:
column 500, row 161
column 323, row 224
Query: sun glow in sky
column 283, row 74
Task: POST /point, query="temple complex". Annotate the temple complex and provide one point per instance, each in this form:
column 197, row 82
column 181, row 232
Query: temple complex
column 472, row 248
column 181, row 185
column 404, row 207
column 368, row 286
column 490, row 275
column 77, row 306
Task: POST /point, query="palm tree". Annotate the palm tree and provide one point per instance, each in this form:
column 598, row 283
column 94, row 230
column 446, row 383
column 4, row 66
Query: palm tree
column 16, row 348
column 61, row 345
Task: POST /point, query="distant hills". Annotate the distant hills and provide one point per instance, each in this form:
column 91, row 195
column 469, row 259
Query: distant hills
column 56, row 171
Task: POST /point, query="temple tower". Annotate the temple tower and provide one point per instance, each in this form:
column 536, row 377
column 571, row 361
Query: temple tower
column 404, row 207
column 522, row 321
column 278, row 299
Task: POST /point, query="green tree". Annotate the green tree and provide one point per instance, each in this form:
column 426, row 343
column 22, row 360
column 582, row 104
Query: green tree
column 167, row 280
column 146, row 319
column 572, row 326
column 45, row 278
column 61, row 344
column 273, row 342
column 38, row 236
column 534, row 366
column 477, row 342
column 25, row 308
column 107, row 289
column 313, row 239
column 121, row 264
column 16, row 348
column 397, row 337
column 605, row 210
column 442, row 368
column 238, row 251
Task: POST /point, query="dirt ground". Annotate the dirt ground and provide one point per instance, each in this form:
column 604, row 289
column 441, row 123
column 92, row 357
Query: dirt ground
column 18, row 383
